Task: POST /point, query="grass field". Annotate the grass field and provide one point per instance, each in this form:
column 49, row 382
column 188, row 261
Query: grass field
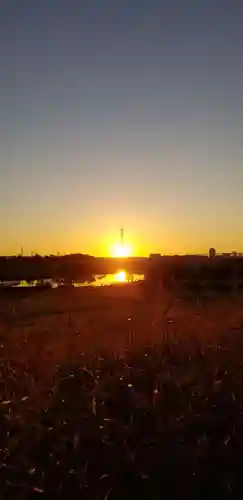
column 111, row 393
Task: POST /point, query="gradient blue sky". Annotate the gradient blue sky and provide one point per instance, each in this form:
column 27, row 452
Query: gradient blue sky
column 121, row 113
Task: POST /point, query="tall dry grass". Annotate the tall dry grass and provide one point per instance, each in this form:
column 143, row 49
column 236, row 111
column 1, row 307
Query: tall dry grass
column 109, row 393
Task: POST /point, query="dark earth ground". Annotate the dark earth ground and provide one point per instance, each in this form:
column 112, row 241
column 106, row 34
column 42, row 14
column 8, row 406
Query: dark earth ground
column 108, row 393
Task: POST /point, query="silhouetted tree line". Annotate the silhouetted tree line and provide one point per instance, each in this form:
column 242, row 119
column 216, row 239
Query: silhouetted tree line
column 219, row 273
column 51, row 267
column 189, row 271
column 68, row 267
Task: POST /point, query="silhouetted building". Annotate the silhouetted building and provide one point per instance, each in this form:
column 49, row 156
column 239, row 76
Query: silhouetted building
column 212, row 253
column 122, row 236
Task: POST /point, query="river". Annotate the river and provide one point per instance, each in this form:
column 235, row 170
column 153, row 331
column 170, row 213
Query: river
column 119, row 277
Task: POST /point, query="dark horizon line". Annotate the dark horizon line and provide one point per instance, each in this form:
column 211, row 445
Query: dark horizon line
column 233, row 253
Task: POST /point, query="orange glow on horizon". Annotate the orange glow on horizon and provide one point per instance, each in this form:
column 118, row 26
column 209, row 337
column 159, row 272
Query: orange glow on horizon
column 121, row 251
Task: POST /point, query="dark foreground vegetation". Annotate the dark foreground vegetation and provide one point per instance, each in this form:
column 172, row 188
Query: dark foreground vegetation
column 108, row 395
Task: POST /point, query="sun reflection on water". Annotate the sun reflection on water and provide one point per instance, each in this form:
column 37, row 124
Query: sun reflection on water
column 121, row 276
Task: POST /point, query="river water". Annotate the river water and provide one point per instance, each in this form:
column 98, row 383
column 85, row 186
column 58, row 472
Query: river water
column 119, row 277
column 99, row 280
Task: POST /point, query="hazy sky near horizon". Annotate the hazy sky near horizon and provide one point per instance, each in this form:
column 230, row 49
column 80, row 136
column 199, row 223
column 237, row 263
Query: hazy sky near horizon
column 121, row 113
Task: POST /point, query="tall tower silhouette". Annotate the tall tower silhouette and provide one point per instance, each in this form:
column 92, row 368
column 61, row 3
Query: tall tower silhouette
column 122, row 237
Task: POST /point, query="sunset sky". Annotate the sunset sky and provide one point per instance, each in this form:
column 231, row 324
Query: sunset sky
column 121, row 113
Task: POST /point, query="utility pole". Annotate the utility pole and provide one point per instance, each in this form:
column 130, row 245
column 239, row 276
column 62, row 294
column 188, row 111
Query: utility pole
column 122, row 237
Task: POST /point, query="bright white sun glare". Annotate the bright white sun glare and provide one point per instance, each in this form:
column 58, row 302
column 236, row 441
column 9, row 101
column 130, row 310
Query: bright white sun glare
column 121, row 251
column 121, row 276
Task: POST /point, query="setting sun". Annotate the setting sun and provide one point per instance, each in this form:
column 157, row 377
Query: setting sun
column 121, row 251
